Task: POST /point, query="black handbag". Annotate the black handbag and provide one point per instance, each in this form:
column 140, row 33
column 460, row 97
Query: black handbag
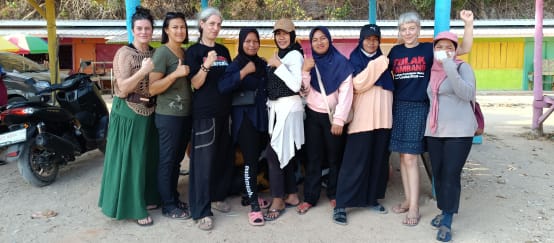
column 244, row 97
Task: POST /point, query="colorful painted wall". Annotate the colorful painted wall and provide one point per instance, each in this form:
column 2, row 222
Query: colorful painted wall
column 547, row 53
column 499, row 63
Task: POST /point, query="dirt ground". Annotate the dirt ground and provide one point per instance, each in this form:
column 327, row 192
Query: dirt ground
column 507, row 191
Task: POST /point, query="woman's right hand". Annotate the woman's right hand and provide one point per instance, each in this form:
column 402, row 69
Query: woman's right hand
column 210, row 59
column 181, row 70
column 147, row 65
column 249, row 68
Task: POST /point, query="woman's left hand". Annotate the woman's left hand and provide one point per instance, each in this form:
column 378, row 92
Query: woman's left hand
column 336, row 130
column 466, row 16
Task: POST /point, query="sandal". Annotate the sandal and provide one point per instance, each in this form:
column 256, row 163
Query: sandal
column 444, row 234
column 145, row 221
column 399, row 209
column 436, row 222
column 339, row 216
column 182, row 205
column 411, row 221
column 263, row 203
column 221, row 206
column 379, row 209
column 177, row 213
column 273, row 214
column 303, row 208
column 256, row 218
column 206, row 223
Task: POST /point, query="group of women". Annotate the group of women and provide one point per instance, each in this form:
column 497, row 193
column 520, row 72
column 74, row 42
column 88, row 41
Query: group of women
column 356, row 112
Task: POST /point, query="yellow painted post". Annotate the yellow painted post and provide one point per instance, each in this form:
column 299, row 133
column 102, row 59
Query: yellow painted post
column 50, row 16
column 52, row 41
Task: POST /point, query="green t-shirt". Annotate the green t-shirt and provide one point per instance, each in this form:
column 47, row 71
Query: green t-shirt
column 177, row 99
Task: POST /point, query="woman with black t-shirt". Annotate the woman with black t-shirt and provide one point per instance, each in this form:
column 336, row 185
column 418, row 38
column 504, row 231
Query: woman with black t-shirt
column 210, row 163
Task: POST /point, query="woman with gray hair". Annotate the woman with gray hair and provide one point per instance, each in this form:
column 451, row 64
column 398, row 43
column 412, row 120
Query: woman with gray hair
column 211, row 165
column 410, row 63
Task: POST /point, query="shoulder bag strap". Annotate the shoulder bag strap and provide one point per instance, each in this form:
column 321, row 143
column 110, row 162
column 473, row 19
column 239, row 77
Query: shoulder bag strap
column 322, row 88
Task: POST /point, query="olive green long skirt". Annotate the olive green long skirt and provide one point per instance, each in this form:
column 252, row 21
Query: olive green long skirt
column 129, row 180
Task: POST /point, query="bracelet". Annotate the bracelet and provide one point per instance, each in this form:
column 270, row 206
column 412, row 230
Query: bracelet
column 205, row 69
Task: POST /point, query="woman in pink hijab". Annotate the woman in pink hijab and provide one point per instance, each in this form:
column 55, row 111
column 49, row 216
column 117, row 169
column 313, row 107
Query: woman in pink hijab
column 450, row 127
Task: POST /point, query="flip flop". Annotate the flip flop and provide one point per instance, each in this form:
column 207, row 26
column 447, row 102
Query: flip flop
column 149, row 221
column 303, row 208
column 276, row 214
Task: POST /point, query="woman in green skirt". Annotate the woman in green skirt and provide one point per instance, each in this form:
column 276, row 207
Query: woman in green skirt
column 129, row 179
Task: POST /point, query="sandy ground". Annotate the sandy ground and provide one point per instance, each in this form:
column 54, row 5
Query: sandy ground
column 507, row 185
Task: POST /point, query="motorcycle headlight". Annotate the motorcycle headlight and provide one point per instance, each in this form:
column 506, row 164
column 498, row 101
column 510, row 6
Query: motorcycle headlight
column 40, row 85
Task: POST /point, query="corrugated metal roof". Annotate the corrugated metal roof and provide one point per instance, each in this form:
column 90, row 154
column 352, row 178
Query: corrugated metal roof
column 114, row 31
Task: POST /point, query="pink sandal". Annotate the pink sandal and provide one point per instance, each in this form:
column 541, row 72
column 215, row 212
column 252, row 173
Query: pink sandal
column 256, row 218
column 263, row 203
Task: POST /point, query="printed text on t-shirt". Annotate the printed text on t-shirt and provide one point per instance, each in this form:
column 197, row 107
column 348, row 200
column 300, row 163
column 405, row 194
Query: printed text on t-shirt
column 414, row 68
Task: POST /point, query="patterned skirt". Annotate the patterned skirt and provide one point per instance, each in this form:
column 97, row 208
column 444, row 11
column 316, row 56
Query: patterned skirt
column 408, row 126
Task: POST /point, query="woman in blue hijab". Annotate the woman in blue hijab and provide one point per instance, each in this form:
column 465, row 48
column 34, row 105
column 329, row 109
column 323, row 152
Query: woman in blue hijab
column 327, row 85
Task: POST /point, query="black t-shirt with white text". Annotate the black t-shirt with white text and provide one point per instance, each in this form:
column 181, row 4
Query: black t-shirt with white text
column 411, row 70
column 207, row 101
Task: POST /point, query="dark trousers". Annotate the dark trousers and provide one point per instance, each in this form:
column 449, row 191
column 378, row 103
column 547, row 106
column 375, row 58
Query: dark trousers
column 250, row 142
column 321, row 147
column 448, row 156
column 211, row 165
column 364, row 170
column 174, row 134
column 281, row 181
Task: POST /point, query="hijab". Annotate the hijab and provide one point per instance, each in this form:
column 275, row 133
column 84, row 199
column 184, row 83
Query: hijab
column 242, row 58
column 438, row 75
column 359, row 58
column 292, row 46
column 332, row 65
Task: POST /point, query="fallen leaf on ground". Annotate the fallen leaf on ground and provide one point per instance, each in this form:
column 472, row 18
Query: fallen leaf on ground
column 44, row 214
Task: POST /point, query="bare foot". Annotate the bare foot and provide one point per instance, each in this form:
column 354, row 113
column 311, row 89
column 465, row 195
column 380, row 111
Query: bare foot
column 292, row 199
column 412, row 218
column 401, row 208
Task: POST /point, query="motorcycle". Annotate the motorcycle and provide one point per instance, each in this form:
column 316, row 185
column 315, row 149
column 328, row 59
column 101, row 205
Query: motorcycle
column 42, row 136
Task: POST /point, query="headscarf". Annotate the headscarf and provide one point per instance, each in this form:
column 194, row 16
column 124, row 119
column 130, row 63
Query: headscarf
column 242, row 58
column 292, row 46
column 359, row 58
column 332, row 65
column 438, row 75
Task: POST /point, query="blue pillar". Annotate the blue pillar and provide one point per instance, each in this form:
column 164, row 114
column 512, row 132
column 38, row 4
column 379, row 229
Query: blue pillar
column 204, row 4
column 372, row 11
column 442, row 15
column 130, row 6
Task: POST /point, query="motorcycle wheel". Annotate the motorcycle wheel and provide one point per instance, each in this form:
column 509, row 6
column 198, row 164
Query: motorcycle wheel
column 33, row 171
